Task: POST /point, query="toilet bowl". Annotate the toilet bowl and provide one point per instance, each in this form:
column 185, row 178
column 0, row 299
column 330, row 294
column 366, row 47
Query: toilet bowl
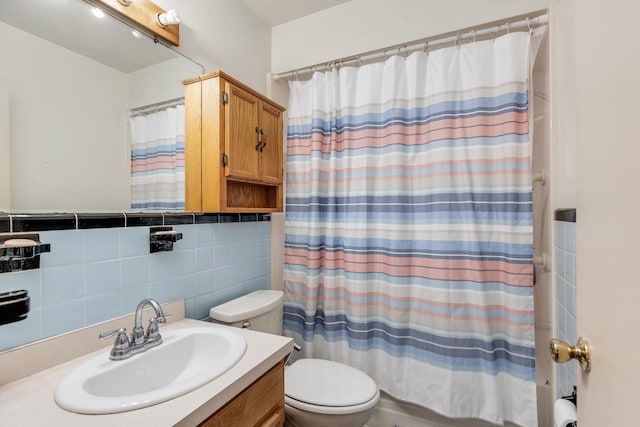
column 318, row 393
column 322, row 393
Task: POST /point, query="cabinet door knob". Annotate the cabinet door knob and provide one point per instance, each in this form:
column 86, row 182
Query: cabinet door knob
column 260, row 133
column 261, row 144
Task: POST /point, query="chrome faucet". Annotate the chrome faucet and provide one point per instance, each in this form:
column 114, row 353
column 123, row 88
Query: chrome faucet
column 123, row 347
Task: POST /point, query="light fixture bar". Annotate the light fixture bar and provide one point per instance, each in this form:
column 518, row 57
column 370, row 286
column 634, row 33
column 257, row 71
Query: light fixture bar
column 142, row 15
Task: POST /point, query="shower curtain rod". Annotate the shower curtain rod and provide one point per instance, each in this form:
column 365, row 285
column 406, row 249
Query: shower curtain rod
column 152, row 108
column 485, row 31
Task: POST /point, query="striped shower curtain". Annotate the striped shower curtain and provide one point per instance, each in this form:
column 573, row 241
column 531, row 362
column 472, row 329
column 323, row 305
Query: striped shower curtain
column 157, row 160
column 408, row 230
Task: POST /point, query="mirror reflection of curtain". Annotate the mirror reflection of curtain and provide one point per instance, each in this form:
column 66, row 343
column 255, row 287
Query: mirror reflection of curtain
column 157, row 160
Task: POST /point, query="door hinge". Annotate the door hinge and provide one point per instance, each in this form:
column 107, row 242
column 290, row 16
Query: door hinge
column 225, row 98
column 225, row 160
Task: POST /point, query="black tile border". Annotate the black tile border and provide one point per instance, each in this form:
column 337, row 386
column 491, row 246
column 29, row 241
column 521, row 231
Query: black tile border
column 19, row 223
column 565, row 215
column 179, row 218
column 141, row 219
column 205, row 218
column 229, row 217
column 91, row 220
column 5, row 223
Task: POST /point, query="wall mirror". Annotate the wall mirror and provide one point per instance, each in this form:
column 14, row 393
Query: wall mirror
column 68, row 81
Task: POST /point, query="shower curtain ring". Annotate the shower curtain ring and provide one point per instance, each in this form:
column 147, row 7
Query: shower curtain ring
column 426, row 46
column 474, row 35
column 457, row 39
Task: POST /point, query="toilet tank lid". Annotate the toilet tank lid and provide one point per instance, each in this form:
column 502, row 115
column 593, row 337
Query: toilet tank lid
column 246, row 306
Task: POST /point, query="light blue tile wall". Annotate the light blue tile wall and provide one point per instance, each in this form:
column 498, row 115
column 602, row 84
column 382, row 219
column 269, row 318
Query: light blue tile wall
column 565, row 277
column 95, row 275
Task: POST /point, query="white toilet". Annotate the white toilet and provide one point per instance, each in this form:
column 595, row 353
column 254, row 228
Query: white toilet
column 318, row 393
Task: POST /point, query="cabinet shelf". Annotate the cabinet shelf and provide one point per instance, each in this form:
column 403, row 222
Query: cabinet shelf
column 252, row 197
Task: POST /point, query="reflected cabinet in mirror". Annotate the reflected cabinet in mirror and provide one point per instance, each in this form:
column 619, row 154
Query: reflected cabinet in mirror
column 68, row 82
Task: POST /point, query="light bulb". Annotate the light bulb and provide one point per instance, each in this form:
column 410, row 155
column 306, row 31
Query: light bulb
column 168, row 18
column 98, row 13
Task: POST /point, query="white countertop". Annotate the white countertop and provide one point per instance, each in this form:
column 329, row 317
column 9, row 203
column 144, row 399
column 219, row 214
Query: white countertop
column 29, row 401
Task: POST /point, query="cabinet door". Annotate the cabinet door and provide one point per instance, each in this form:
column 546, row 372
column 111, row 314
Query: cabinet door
column 241, row 134
column 271, row 148
column 275, row 420
column 259, row 405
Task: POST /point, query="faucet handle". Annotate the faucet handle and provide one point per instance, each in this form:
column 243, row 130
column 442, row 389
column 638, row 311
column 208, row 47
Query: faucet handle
column 109, row 334
column 153, row 333
column 162, row 320
column 120, row 345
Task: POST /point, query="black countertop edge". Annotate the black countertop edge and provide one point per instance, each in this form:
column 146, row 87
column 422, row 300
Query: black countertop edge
column 21, row 222
column 565, row 215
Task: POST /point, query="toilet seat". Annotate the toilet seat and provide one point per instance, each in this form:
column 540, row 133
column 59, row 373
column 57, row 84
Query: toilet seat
column 327, row 387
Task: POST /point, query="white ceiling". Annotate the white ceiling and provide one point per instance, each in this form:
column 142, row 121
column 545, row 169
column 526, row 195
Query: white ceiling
column 276, row 12
column 71, row 24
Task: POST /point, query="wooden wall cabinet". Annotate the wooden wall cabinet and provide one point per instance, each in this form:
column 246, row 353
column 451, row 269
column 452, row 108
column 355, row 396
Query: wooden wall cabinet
column 233, row 147
column 259, row 405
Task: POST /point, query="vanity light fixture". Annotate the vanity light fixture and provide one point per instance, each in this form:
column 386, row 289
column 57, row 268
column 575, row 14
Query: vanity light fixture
column 167, row 18
column 144, row 16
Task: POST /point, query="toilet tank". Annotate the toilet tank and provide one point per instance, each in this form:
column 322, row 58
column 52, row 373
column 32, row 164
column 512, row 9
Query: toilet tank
column 261, row 309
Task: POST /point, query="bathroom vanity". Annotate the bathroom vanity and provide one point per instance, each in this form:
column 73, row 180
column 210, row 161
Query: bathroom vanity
column 261, row 404
column 251, row 393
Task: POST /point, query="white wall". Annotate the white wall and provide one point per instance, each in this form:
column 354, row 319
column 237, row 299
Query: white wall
column 150, row 85
column 5, row 152
column 564, row 89
column 54, row 167
column 360, row 26
column 226, row 35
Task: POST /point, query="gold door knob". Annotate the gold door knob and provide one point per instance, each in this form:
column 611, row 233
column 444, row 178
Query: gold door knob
column 562, row 352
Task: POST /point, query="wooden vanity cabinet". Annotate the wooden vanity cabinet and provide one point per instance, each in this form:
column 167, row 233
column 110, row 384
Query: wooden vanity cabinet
column 233, row 147
column 259, row 405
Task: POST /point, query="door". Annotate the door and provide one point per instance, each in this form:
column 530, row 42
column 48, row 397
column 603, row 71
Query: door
column 270, row 149
column 241, row 134
column 607, row 70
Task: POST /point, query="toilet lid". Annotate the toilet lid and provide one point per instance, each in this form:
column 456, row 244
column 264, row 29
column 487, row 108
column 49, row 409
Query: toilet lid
column 327, row 383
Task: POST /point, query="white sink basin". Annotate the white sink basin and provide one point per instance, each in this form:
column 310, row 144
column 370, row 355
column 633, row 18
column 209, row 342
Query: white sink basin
column 187, row 359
